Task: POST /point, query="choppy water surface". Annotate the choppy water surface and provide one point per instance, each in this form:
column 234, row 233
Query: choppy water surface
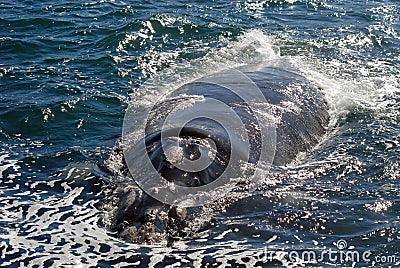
column 67, row 71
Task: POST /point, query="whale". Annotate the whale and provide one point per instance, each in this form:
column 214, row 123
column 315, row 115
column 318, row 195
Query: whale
column 294, row 109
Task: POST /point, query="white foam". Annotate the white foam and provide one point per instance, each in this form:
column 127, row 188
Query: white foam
column 6, row 164
column 370, row 87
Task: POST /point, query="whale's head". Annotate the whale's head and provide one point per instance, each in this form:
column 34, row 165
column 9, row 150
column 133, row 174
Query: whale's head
column 182, row 165
column 194, row 156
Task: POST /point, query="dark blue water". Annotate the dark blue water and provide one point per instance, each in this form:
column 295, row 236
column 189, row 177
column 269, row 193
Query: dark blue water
column 67, row 71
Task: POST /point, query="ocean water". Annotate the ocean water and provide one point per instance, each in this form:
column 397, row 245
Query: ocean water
column 68, row 70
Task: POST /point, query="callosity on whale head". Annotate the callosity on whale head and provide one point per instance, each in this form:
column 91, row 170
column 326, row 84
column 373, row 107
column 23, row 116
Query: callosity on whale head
column 257, row 113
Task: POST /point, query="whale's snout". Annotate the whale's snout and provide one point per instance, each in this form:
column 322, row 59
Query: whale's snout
column 142, row 219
